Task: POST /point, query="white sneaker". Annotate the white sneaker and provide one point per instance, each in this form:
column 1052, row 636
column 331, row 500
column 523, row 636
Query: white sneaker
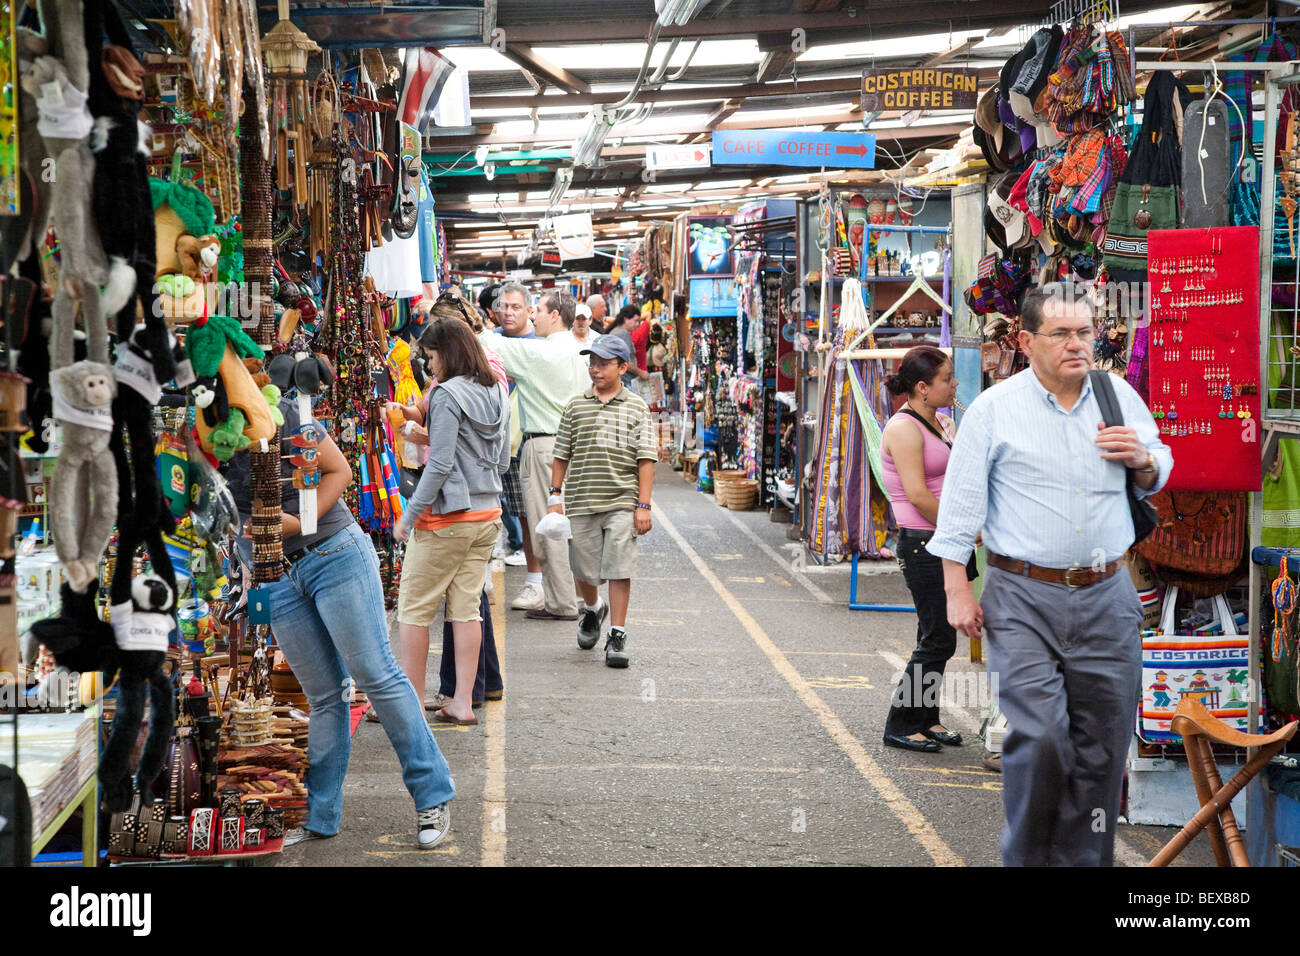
column 529, row 598
column 432, row 825
column 516, row 559
column 301, row 835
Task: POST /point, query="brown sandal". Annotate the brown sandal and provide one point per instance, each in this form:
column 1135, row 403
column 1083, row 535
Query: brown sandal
column 442, row 717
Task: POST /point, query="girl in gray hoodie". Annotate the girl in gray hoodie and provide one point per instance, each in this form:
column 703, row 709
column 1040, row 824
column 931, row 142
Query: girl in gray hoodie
column 453, row 518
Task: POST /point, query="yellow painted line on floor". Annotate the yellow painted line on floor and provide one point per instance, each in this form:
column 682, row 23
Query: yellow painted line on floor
column 689, row 768
column 846, row 682
column 947, row 770
column 494, row 732
column 993, row 786
column 400, row 844
column 652, row 700
column 902, row 808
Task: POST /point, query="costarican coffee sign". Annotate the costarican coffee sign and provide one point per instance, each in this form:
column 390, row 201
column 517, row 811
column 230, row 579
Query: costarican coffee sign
column 918, row 89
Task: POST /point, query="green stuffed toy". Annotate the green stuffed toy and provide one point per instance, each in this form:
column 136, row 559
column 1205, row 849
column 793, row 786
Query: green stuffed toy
column 205, row 343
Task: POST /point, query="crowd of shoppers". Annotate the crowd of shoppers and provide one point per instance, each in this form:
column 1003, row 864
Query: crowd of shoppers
column 1034, row 475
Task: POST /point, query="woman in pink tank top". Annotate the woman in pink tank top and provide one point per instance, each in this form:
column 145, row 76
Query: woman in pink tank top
column 915, row 445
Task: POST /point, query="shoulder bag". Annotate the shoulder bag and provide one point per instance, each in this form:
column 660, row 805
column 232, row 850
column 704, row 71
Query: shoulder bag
column 1139, row 509
column 1146, row 196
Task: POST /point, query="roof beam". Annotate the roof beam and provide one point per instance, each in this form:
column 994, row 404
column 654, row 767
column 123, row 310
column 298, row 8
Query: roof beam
column 719, row 115
column 777, row 55
column 805, row 87
column 943, row 56
column 523, row 55
column 679, row 95
column 464, row 143
column 846, row 23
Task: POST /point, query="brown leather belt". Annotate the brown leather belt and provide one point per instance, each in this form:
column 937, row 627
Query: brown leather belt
column 1070, row 577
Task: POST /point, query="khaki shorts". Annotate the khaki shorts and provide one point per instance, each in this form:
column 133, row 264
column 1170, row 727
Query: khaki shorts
column 603, row 547
column 450, row 562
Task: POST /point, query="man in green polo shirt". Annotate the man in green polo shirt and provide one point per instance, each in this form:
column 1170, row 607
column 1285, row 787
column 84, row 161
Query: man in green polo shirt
column 605, row 446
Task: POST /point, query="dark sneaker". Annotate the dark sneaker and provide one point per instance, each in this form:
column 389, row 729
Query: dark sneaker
column 616, row 649
column 590, row 625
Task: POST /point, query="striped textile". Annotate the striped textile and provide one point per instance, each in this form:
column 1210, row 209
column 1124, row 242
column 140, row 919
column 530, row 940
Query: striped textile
column 603, row 442
column 1029, row 475
column 850, row 513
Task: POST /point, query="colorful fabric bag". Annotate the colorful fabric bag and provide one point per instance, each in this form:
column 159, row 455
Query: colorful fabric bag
column 1210, row 665
column 1147, row 195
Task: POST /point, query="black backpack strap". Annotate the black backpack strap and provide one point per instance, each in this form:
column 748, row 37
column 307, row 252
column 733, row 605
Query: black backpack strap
column 1104, row 391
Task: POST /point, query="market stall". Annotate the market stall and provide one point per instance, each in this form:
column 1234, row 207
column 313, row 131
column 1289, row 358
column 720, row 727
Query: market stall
column 266, row 238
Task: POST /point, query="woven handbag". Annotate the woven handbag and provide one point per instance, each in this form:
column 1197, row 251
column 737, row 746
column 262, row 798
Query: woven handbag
column 1202, row 532
column 1146, row 196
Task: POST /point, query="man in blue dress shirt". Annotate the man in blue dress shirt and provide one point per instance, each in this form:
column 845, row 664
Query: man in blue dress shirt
column 1036, row 470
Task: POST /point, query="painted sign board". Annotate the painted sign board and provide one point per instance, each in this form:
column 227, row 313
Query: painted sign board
column 713, row 297
column 919, row 89
column 793, row 147
column 678, row 157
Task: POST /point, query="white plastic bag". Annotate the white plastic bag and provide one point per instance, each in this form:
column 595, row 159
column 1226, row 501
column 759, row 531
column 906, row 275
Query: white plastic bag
column 554, row 526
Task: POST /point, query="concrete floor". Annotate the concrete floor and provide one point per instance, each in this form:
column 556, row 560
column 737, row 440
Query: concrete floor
column 746, row 731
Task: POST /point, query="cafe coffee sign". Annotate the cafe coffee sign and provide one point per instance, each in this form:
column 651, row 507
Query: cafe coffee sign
column 918, row 89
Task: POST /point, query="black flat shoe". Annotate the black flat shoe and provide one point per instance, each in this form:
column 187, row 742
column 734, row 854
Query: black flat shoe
column 907, row 743
column 949, row 737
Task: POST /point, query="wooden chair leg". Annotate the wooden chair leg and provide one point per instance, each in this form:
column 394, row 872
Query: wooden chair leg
column 1223, row 797
column 1231, row 832
column 1196, row 746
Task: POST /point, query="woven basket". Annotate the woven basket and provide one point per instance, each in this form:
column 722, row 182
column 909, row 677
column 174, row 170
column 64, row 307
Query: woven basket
column 722, row 479
column 741, row 494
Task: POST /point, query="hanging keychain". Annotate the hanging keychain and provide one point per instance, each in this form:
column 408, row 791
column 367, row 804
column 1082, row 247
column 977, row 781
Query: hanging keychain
column 1284, row 602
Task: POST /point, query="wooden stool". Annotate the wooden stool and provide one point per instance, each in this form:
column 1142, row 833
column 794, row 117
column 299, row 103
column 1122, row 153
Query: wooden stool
column 1198, row 727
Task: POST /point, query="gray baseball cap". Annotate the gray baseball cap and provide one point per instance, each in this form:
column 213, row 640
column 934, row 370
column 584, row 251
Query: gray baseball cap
column 610, row 347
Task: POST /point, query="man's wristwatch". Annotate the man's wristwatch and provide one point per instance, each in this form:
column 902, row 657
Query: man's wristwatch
column 557, row 491
column 1149, row 466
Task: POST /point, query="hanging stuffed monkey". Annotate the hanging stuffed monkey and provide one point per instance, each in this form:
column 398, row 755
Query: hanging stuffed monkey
column 123, row 205
column 143, row 613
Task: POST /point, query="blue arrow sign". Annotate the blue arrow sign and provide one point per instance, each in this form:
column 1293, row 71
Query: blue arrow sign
column 794, row 147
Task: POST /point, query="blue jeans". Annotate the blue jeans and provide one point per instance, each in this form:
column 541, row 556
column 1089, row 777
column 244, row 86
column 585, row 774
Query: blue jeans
column 328, row 617
column 514, row 532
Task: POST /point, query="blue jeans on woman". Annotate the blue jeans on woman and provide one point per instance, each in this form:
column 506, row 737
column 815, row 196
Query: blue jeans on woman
column 328, row 617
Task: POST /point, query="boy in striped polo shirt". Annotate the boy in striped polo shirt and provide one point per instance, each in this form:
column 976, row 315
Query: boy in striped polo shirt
column 606, row 448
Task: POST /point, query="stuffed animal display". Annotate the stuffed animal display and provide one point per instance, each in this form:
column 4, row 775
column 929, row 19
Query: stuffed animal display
column 235, row 412
column 143, row 615
column 83, row 491
column 120, row 143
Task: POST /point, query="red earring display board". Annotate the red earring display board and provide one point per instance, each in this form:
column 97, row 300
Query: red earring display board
column 1204, row 354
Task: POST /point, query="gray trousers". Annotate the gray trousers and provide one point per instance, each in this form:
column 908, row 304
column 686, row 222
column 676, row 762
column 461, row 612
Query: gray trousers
column 1069, row 665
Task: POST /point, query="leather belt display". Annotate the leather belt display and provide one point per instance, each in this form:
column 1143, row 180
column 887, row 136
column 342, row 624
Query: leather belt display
column 528, row 435
column 1070, row 577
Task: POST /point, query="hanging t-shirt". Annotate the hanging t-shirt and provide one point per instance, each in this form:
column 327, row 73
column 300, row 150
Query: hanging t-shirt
column 427, row 233
column 395, row 267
